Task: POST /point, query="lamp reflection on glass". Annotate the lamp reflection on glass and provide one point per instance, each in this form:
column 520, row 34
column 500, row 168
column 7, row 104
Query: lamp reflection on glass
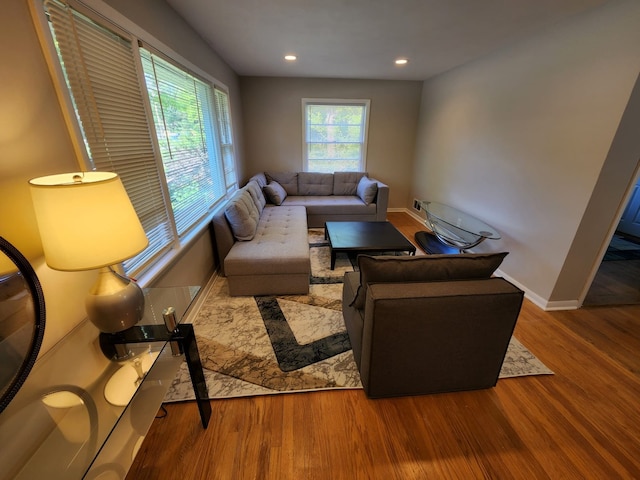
column 124, row 383
column 69, row 412
column 86, row 222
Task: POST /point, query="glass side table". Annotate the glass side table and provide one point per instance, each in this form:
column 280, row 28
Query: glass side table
column 452, row 231
column 72, row 420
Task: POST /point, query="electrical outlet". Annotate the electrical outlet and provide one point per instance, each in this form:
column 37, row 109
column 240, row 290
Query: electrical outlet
column 416, row 205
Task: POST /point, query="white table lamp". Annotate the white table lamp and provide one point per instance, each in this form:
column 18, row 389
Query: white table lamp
column 87, row 222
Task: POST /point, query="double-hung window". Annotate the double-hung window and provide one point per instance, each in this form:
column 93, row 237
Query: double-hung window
column 182, row 107
column 165, row 130
column 335, row 135
column 226, row 137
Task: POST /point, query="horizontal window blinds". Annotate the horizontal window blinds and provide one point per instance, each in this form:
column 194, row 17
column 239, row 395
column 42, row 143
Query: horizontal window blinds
column 226, row 136
column 185, row 127
column 100, row 67
column 334, row 136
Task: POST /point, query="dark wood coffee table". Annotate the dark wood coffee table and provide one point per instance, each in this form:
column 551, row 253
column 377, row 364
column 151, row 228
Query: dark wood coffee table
column 363, row 237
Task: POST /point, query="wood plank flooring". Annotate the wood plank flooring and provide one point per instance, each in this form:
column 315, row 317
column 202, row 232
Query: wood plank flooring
column 616, row 283
column 583, row 422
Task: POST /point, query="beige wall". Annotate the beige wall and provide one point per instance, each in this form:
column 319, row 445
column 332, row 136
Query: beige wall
column 272, row 113
column 520, row 138
column 34, row 141
column 606, row 205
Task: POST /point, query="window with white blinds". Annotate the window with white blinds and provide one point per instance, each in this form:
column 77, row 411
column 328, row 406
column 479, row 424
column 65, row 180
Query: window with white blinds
column 226, row 137
column 100, row 67
column 182, row 107
column 335, row 135
column 171, row 161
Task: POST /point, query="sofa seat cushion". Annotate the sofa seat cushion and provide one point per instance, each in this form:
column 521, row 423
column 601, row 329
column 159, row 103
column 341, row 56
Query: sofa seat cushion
column 280, row 245
column 429, row 268
column 333, row 204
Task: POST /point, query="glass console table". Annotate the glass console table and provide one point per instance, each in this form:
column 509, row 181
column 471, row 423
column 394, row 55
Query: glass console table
column 80, row 415
column 452, row 231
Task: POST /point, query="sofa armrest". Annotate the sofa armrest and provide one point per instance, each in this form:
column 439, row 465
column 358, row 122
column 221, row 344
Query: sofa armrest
column 382, row 201
column 222, row 237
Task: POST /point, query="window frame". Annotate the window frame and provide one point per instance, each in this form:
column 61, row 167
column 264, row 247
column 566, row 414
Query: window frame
column 110, row 18
column 363, row 102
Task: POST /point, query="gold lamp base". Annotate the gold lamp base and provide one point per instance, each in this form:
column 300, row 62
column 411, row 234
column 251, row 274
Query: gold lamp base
column 115, row 302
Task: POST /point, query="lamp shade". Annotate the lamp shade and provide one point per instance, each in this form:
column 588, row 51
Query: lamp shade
column 86, row 220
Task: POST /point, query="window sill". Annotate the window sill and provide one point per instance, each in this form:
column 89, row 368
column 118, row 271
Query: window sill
column 166, row 261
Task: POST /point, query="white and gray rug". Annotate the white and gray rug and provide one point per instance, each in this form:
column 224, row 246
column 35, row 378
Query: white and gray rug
column 266, row 345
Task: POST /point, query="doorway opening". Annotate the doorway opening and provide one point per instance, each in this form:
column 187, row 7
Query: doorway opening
column 617, row 281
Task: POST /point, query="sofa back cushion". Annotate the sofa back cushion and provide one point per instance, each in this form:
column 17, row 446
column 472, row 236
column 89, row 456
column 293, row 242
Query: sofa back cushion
column 288, row 181
column 242, row 215
column 260, row 179
column 346, row 183
column 429, row 268
column 315, row 183
column 256, row 195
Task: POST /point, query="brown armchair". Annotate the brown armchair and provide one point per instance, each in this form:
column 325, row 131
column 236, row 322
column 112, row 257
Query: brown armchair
column 421, row 325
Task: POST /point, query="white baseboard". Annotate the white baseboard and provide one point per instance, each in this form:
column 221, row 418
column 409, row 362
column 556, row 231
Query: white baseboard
column 537, row 300
column 409, row 211
column 562, row 305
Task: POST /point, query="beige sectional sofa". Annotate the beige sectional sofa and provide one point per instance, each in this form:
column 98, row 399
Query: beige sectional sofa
column 260, row 235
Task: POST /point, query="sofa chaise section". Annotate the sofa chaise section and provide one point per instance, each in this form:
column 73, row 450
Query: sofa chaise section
column 274, row 261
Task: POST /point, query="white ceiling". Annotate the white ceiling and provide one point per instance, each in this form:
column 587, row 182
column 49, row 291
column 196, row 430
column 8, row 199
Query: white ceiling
column 361, row 38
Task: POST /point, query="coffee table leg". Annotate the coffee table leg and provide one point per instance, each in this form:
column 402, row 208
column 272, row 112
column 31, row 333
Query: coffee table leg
column 333, row 259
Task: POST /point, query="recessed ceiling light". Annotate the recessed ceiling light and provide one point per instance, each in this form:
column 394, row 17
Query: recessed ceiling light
column 290, row 58
column 401, row 61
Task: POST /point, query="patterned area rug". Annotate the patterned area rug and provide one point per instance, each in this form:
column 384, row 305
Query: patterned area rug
column 266, row 345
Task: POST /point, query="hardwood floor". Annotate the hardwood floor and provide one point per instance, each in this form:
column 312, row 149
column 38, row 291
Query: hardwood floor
column 615, row 283
column 583, row 422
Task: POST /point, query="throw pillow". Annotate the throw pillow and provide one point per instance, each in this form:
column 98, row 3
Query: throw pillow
column 367, row 190
column 242, row 215
column 275, row 193
column 429, row 268
column 346, row 183
column 287, row 180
